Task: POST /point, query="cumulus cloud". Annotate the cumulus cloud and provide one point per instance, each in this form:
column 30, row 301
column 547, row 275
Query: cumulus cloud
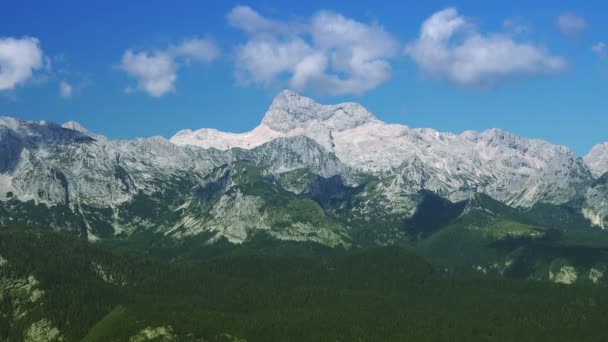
column 65, row 89
column 601, row 50
column 328, row 52
column 156, row 71
column 571, row 25
column 452, row 48
column 19, row 58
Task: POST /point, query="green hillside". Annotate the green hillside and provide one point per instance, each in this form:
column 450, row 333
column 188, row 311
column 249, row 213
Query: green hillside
column 265, row 290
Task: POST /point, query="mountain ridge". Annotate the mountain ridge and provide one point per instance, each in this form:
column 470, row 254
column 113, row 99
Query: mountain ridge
column 293, row 114
column 363, row 142
column 469, row 202
column 374, row 169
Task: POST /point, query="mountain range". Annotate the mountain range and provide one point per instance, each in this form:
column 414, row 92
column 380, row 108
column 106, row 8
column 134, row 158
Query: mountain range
column 330, row 174
column 514, row 170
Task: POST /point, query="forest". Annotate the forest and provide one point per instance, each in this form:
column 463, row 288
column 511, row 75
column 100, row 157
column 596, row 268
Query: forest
column 266, row 290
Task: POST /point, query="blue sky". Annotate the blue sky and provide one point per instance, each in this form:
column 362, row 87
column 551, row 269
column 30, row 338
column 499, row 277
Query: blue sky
column 143, row 68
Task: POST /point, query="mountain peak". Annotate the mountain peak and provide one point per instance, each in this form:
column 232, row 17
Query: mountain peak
column 597, row 159
column 75, row 126
column 290, row 110
column 38, row 130
column 9, row 122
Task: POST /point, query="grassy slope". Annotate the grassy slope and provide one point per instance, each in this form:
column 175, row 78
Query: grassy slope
column 512, row 242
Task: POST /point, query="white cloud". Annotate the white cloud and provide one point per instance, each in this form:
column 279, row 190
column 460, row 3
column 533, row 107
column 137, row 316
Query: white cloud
column 601, row 50
column 450, row 47
column 65, row 89
column 19, row 58
column 201, row 50
column 328, row 53
column 516, row 26
column 262, row 59
column 156, row 71
column 251, row 22
column 571, row 25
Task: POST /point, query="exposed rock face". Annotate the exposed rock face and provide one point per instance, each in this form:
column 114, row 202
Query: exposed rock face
column 20, row 300
column 566, row 275
column 597, row 159
column 298, row 152
column 98, row 172
column 73, row 125
column 348, row 161
column 595, row 275
column 512, row 169
column 17, row 136
column 66, row 166
column 43, row 331
column 289, row 111
column 240, row 199
column 108, row 275
column 20, row 293
column 154, row 334
column 596, row 202
column 102, row 183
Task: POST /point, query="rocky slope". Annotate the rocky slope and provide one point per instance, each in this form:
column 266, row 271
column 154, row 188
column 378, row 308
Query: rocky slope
column 596, row 198
column 512, row 169
column 71, row 178
column 596, row 202
column 354, row 175
column 51, row 164
column 597, row 159
column 240, row 199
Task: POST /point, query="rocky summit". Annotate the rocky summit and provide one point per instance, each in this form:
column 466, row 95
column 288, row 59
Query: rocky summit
column 597, row 159
column 307, row 172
